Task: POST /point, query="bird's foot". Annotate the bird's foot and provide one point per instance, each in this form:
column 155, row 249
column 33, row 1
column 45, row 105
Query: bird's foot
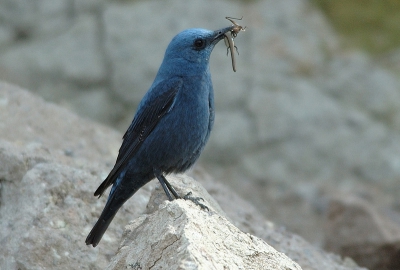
column 196, row 201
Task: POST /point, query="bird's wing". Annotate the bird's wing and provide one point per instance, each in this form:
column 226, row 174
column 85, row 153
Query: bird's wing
column 157, row 103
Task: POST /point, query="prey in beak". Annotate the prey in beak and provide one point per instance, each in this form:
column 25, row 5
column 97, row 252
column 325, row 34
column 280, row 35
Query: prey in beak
column 229, row 40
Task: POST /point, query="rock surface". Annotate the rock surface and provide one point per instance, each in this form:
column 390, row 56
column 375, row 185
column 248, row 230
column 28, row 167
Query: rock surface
column 180, row 235
column 357, row 229
column 51, row 161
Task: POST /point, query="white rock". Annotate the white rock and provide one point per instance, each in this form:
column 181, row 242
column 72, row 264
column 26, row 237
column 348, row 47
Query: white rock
column 182, row 236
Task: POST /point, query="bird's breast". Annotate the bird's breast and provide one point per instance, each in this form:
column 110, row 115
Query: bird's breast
column 180, row 136
column 193, row 113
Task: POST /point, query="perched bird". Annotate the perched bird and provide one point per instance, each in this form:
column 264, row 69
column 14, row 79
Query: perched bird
column 171, row 126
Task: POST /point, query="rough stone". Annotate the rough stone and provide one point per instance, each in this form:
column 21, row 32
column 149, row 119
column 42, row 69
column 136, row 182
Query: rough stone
column 51, row 161
column 70, row 138
column 248, row 219
column 357, row 229
column 180, row 235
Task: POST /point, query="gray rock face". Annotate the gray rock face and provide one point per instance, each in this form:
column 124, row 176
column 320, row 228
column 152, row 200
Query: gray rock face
column 356, row 228
column 248, row 219
column 51, row 161
column 181, row 236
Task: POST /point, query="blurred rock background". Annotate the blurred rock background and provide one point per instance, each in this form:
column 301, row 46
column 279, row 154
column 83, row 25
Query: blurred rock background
column 312, row 111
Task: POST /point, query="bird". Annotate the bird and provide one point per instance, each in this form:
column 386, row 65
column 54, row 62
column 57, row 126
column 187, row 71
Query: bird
column 171, row 125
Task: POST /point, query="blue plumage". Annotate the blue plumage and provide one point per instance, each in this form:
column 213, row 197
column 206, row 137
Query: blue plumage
column 171, row 126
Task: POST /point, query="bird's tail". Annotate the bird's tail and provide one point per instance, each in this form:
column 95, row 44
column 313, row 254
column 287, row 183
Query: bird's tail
column 118, row 196
column 101, row 225
column 98, row 230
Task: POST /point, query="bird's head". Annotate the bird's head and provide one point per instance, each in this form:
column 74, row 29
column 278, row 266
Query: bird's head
column 193, row 46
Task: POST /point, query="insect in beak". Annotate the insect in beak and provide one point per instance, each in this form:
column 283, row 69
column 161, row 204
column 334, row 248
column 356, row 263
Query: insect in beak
column 229, row 40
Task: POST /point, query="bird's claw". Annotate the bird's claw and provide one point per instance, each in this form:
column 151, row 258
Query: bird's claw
column 196, row 201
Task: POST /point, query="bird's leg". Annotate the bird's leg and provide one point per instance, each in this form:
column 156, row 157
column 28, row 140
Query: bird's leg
column 166, row 185
column 176, row 195
column 168, row 188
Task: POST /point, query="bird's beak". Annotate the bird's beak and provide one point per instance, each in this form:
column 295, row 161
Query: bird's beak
column 219, row 34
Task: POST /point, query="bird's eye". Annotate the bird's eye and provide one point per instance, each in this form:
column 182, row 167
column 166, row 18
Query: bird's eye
column 199, row 43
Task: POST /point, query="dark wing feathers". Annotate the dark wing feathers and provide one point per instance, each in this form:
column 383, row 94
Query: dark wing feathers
column 157, row 104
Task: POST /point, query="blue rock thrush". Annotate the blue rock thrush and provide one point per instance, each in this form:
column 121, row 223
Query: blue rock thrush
column 171, row 126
